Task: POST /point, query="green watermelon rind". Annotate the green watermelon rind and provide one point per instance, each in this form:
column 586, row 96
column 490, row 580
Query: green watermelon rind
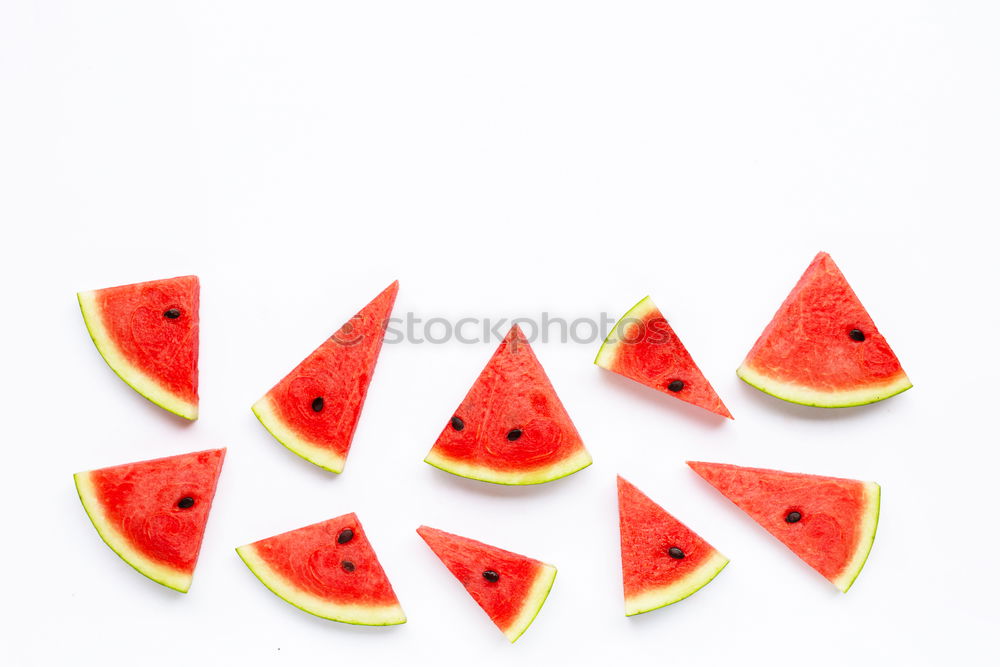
column 352, row 614
column 802, row 395
column 158, row 572
column 286, row 435
column 868, row 529
column 147, row 387
column 533, row 603
column 563, row 468
column 609, row 348
column 662, row 596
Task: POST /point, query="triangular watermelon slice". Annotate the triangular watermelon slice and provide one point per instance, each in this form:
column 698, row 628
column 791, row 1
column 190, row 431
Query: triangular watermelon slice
column 663, row 561
column 828, row 522
column 511, row 428
column 642, row 346
column 328, row 569
column 148, row 334
column 510, row 588
column 314, row 410
column 153, row 513
column 822, row 348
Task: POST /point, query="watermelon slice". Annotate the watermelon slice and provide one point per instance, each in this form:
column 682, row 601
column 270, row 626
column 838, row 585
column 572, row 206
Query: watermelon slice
column 663, row 561
column 148, row 334
column 153, row 513
column 314, row 410
column 509, row 587
column 643, row 347
column 511, row 428
column 827, row 521
column 328, row 569
column 822, row 348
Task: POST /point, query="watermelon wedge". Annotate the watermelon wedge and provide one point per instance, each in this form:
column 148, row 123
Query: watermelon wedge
column 510, row 588
column 153, row 513
column 822, row 348
column 643, row 347
column 828, row 522
column 328, row 569
column 511, row 428
column 314, row 410
column 148, row 334
column 663, row 561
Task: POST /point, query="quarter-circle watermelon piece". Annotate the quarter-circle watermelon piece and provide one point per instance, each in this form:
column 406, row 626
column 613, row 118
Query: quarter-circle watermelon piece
column 509, row 587
column 822, row 348
column 511, row 428
column 153, row 513
column 314, row 410
column 148, row 334
column 328, row 569
column 829, row 522
column 643, row 347
column 663, row 561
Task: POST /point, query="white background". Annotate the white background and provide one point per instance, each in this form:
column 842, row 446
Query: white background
column 502, row 159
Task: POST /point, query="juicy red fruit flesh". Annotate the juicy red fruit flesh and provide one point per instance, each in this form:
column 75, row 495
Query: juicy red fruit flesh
column 319, row 560
column 143, row 501
column 511, row 419
column 812, row 338
column 163, row 346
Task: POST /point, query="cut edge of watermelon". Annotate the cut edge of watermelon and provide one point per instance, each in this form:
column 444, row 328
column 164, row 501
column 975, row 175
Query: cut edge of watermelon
column 353, row 614
column 802, row 395
column 679, row 590
column 141, row 382
column 609, row 349
column 564, row 468
column 284, row 434
column 158, row 572
column 533, row 602
column 869, row 526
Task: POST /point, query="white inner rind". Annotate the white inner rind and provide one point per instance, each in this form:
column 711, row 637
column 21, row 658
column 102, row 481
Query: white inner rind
column 354, row 614
column 532, row 603
column 797, row 393
column 574, row 463
column 133, row 376
column 677, row 591
column 869, row 524
column 612, row 344
column 159, row 572
column 284, row 433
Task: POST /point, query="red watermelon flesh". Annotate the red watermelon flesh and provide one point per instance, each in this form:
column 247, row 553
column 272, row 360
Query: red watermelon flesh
column 511, row 428
column 328, row 569
column 663, row 561
column 148, row 334
column 509, row 587
column 836, row 522
column 153, row 513
column 314, row 410
column 642, row 346
column 822, row 348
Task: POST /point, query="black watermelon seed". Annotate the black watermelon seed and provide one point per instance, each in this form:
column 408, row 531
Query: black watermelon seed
column 186, row 502
column 457, row 423
column 318, row 403
column 347, row 565
column 676, row 552
column 857, row 334
column 514, row 434
column 676, row 385
column 491, row 576
column 346, row 535
column 172, row 314
column 793, row 517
